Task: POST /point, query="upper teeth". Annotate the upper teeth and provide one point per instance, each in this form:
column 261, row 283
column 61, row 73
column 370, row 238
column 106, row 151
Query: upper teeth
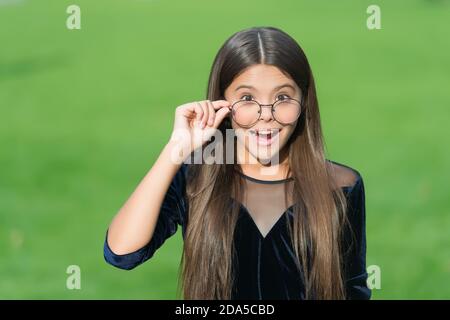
column 264, row 131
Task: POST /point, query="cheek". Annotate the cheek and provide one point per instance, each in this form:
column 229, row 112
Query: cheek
column 286, row 134
column 290, row 129
column 240, row 133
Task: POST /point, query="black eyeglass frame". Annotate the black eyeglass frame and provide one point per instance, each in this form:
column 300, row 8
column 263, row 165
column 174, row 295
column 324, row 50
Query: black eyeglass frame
column 272, row 109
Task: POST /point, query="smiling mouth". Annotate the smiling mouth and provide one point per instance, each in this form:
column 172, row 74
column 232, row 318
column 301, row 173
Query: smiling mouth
column 265, row 137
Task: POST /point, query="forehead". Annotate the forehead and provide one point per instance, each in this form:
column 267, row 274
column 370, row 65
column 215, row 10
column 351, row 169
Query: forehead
column 262, row 78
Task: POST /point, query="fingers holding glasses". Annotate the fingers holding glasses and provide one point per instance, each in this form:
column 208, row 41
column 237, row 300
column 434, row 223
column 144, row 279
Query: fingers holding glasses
column 204, row 115
column 222, row 108
column 220, row 104
column 212, row 113
column 190, row 111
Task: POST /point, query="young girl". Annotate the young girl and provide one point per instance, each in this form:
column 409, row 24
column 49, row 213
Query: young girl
column 253, row 228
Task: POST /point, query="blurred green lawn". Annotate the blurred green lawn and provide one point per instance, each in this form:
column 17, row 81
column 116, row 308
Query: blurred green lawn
column 84, row 113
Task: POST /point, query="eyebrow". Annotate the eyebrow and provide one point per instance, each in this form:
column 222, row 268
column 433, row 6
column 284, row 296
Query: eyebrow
column 275, row 89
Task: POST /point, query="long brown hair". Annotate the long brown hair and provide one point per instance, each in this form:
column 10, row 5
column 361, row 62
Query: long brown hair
column 319, row 214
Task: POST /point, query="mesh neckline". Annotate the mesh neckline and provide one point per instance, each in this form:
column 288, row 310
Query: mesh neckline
column 264, row 181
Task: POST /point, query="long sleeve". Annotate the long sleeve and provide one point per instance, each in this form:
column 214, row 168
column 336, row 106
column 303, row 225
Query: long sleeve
column 173, row 212
column 356, row 273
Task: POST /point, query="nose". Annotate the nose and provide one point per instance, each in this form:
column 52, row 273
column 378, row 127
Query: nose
column 266, row 112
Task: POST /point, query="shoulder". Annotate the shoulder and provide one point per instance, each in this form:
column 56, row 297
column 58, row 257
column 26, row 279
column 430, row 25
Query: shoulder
column 351, row 182
column 345, row 176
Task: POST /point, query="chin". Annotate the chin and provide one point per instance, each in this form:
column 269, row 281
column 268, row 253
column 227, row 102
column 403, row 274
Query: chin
column 266, row 156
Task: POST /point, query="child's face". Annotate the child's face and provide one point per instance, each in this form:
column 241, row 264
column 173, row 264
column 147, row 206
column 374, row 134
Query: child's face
column 265, row 84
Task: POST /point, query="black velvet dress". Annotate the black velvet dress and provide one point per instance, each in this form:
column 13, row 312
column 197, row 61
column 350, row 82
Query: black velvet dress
column 265, row 261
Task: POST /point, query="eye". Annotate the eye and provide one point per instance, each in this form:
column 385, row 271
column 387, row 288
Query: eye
column 282, row 97
column 247, row 97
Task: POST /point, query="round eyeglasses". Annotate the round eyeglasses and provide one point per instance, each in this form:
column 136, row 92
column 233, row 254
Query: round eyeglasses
column 247, row 112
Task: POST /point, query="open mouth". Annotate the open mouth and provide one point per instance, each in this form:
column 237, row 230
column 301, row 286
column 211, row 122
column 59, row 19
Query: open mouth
column 265, row 137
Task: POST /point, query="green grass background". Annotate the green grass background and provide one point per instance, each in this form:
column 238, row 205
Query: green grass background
column 84, row 114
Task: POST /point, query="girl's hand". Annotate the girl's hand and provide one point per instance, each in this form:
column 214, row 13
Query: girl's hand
column 196, row 122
